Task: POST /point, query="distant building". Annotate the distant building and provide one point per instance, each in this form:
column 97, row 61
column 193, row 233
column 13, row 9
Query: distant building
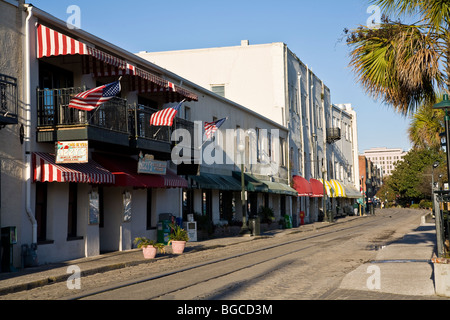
column 385, row 158
column 370, row 178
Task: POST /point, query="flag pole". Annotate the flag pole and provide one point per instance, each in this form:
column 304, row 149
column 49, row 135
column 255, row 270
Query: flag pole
column 157, row 132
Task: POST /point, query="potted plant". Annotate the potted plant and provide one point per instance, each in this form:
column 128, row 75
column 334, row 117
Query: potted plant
column 149, row 247
column 178, row 238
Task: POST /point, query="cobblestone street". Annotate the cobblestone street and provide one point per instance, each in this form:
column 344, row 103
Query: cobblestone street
column 307, row 263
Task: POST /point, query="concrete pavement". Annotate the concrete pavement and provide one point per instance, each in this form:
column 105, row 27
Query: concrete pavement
column 403, row 267
column 401, row 270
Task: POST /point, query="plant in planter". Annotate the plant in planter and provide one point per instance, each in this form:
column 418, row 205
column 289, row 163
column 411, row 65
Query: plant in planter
column 178, row 238
column 149, row 247
column 266, row 214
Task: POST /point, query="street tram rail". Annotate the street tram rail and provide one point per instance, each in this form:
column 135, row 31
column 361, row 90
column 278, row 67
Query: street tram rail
column 98, row 293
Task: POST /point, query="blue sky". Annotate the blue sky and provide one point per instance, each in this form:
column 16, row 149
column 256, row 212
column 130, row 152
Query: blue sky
column 313, row 30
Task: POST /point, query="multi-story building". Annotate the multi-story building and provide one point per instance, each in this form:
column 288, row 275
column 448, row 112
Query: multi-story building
column 371, row 178
column 124, row 176
column 271, row 80
column 385, row 158
column 343, row 162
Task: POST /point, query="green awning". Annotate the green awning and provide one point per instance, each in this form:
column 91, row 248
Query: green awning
column 280, row 188
column 251, row 183
column 226, row 183
column 204, row 182
column 216, row 182
column 233, row 183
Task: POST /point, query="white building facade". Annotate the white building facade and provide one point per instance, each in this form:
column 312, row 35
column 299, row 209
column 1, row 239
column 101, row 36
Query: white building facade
column 271, row 80
column 385, row 158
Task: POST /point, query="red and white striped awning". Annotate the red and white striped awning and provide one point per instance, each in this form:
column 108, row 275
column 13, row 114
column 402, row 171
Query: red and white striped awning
column 46, row 170
column 53, row 43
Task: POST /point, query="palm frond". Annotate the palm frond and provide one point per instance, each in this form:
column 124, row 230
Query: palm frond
column 398, row 63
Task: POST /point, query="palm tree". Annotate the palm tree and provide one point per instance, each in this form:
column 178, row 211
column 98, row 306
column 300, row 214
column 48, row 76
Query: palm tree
column 426, row 125
column 404, row 64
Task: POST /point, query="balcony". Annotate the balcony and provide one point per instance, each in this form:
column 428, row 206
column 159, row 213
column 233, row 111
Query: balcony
column 9, row 104
column 115, row 123
column 333, row 135
column 58, row 122
column 145, row 136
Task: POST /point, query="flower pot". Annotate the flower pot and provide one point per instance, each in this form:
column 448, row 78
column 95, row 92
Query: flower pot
column 149, row 252
column 178, row 246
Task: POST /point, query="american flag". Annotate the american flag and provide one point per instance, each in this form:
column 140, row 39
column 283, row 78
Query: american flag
column 92, row 99
column 165, row 117
column 211, row 127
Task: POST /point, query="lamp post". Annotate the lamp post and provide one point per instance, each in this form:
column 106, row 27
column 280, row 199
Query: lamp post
column 244, row 230
column 445, row 105
column 324, row 199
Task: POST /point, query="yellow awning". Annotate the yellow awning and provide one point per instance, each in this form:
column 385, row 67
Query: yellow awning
column 339, row 190
column 328, row 187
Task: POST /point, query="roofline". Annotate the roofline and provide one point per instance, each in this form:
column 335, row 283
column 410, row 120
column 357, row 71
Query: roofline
column 45, row 16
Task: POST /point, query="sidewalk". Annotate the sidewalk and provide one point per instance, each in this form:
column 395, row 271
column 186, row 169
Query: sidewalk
column 403, row 268
column 399, row 263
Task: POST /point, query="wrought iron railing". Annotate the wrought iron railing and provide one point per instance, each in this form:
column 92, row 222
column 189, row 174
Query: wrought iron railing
column 142, row 127
column 186, row 125
column 9, row 103
column 53, row 110
column 115, row 115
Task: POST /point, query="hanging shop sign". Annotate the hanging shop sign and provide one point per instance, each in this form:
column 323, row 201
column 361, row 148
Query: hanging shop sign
column 147, row 165
column 71, row 151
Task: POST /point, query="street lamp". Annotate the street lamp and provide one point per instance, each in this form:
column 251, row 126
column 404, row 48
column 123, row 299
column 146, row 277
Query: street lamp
column 244, row 230
column 445, row 105
column 435, row 165
column 363, row 196
column 324, row 199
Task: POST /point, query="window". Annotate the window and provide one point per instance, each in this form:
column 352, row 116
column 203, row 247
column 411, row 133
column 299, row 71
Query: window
column 207, row 203
column 282, row 152
column 258, row 147
column 218, row 89
column 52, row 77
column 187, row 113
column 72, row 211
column 41, row 211
column 188, row 203
column 101, row 195
column 283, row 205
column 226, row 205
column 300, row 162
column 150, row 223
column 269, row 142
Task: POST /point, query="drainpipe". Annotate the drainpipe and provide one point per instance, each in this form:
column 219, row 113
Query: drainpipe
column 27, row 86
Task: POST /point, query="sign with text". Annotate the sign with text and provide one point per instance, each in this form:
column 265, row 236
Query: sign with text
column 71, row 152
column 148, row 166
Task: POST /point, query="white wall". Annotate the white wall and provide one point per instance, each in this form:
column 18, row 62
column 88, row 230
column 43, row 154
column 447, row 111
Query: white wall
column 229, row 66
